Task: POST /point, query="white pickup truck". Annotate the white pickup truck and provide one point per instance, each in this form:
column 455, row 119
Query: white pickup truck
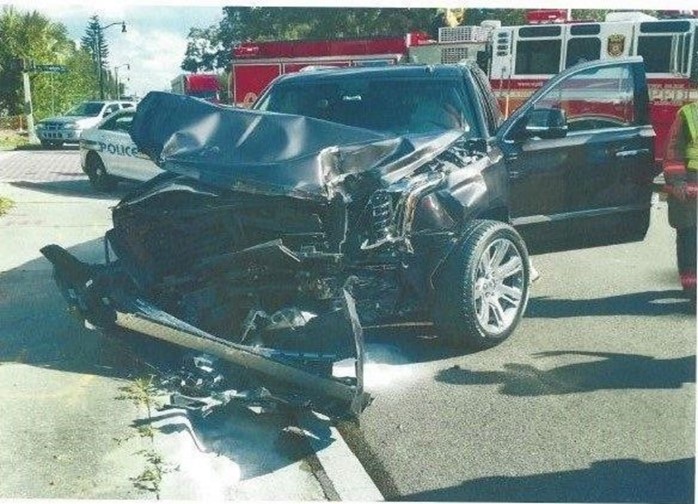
column 67, row 128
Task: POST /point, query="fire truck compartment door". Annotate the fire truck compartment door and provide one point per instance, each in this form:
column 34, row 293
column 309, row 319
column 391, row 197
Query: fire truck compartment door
column 592, row 185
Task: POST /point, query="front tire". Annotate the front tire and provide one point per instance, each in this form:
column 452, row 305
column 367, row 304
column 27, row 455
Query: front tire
column 97, row 173
column 482, row 290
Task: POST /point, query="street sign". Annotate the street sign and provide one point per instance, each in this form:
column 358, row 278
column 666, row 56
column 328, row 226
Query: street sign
column 50, row 68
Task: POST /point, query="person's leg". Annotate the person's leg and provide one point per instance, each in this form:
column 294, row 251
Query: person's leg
column 686, row 257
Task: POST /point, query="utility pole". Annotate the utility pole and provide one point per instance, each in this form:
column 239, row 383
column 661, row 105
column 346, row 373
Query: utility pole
column 99, row 63
column 99, row 53
column 116, row 74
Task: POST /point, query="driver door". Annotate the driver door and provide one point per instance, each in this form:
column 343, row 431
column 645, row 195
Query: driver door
column 584, row 179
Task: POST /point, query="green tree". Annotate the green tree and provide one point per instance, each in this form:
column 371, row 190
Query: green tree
column 508, row 17
column 10, row 75
column 211, row 48
column 204, row 50
column 55, row 93
column 35, row 38
column 270, row 23
column 93, row 42
column 30, row 36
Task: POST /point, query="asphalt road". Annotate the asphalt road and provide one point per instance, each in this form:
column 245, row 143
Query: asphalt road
column 592, row 399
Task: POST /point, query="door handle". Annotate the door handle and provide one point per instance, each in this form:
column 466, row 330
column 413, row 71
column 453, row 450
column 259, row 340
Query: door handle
column 623, row 154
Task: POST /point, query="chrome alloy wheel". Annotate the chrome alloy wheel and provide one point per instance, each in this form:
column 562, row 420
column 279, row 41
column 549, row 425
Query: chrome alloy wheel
column 498, row 287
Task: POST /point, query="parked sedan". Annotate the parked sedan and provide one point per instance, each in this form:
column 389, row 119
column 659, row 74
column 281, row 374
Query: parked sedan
column 108, row 154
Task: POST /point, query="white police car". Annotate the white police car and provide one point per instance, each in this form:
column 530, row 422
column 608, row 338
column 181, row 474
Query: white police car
column 107, row 153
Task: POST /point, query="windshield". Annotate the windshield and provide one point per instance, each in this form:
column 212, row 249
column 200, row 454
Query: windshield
column 86, row 109
column 396, row 106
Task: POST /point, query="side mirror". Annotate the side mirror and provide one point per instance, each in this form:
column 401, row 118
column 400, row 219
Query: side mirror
column 545, row 123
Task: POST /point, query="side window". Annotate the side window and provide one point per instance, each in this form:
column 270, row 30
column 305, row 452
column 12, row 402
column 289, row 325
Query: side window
column 109, row 125
column 662, row 45
column 111, row 109
column 123, row 123
column 582, row 49
column 656, row 51
column 538, row 57
column 595, row 99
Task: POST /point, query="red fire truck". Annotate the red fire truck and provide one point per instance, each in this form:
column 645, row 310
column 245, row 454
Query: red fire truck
column 519, row 59
column 198, row 85
column 256, row 64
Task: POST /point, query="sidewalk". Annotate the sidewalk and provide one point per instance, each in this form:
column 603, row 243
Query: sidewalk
column 65, row 434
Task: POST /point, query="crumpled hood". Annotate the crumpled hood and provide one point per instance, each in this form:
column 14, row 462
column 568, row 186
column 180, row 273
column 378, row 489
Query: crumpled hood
column 267, row 152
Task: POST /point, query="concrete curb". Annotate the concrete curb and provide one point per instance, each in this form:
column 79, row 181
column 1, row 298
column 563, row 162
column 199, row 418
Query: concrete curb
column 348, row 477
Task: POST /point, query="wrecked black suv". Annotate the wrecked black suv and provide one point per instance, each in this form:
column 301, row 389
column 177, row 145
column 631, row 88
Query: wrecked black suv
column 362, row 196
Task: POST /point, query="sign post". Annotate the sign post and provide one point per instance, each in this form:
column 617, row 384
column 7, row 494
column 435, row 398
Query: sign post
column 27, row 67
column 28, row 111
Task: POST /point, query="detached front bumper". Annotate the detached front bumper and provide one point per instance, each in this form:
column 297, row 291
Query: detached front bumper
column 103, row 297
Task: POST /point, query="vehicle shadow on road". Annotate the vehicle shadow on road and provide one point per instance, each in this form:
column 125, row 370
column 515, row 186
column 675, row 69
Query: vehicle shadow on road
column 414, row 343
column 79, row 186
column 36, row 330
column 39, row 147
column 652, row 303
column 622, row 480
column 610, row 371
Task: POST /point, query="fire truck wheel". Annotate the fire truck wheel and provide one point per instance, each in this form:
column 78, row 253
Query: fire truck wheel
column 482, row 290
column 97, row 173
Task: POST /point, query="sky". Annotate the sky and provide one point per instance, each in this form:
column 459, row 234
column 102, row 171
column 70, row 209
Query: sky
column 155, row 38
column 154, row 42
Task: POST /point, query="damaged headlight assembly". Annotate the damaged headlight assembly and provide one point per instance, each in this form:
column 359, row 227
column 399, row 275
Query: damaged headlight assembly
column 392, row 210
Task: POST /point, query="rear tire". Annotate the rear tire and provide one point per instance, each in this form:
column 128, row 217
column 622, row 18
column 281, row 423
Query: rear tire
column 482, row 289
column 97, row 173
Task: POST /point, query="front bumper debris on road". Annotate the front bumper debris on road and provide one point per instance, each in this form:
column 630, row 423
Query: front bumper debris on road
column 102, row 297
